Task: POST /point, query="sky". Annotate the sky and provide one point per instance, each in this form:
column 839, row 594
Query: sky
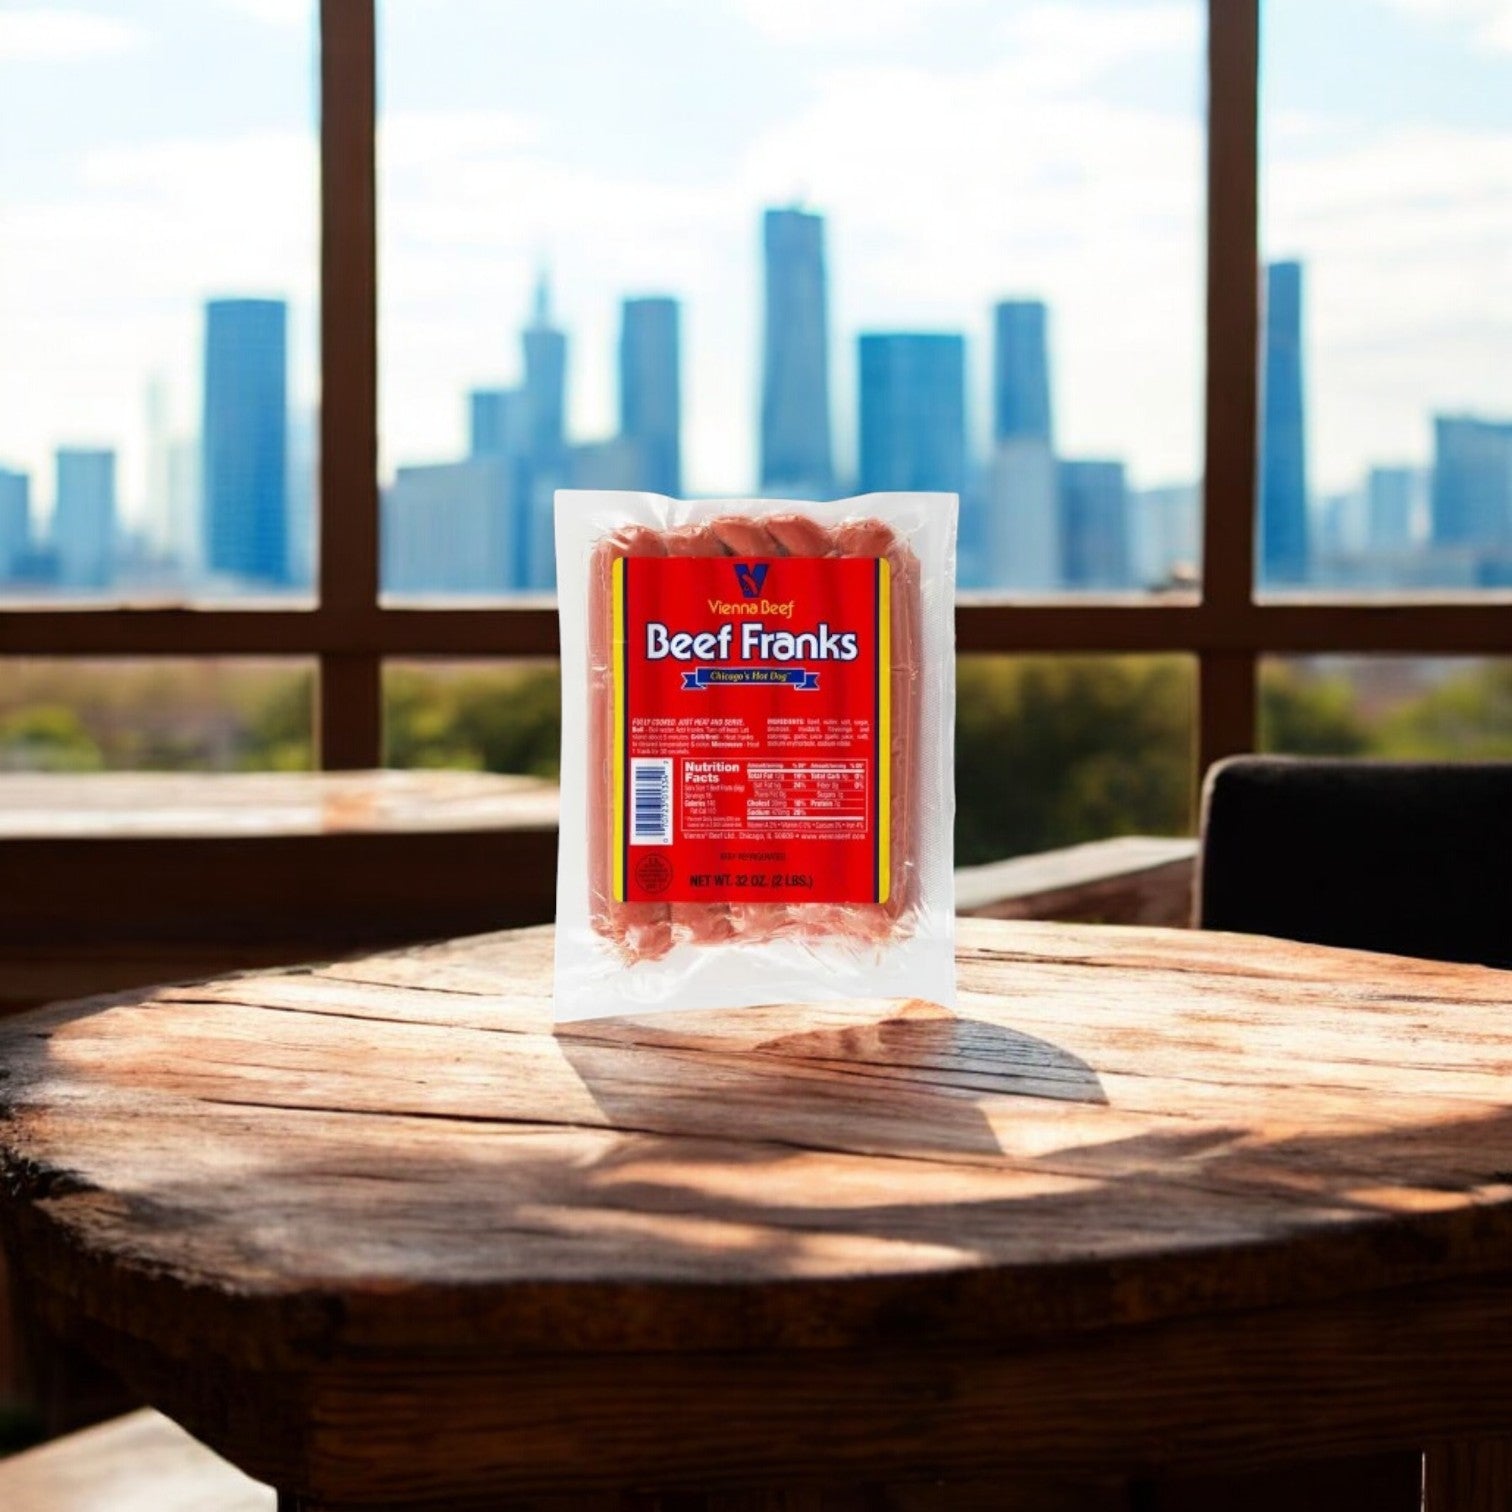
column 159, row 152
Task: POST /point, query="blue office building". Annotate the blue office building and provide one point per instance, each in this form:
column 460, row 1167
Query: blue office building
column 451, row 527
column 546, row 462
column 1094, row 505
column 15, row 523
column 1390, row 496
column 913, row 412
column 795, row 404
column 651, row 390
column 84, row 517
column 1284, row 550
column 1471, row 499
column 496, row 423
column 246, row 424
column 1020, row 371
column 545, row 385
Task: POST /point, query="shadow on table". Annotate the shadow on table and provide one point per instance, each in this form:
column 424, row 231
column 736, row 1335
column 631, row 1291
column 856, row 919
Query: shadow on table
column 908, row 1084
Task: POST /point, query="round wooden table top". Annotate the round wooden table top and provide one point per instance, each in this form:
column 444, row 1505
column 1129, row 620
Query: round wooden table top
column 396, row 1159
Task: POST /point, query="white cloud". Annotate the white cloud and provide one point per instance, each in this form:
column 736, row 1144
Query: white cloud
column 835, row 22
column 1489, row 22
column 280, row 13
column 63, row 36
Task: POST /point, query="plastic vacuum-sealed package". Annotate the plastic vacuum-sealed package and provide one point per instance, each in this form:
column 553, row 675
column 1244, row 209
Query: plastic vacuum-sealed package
column 758, row 720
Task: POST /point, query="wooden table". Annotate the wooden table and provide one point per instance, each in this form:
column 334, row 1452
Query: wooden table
column 117, row 879
column 1151, row 1205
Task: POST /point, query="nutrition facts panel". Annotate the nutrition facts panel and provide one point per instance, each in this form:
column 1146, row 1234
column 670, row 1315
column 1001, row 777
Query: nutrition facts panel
column 783, row 799
column 821, row 792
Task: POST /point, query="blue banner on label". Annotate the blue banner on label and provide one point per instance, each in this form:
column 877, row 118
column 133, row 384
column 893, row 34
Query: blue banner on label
column 792, row 677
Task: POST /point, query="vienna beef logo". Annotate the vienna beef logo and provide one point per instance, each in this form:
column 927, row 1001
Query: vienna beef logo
column 751, row 576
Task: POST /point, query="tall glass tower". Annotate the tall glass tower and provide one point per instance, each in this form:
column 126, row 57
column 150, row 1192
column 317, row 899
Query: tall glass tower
column 15, row 522
column 1472, row 482
column 84, row 517
column 246, row 442
column 795, row 413
column 545, row 384
column 1284, row 553
column 651, row 390
column 1020, row 371
column 1094, row 499
column 913, row 412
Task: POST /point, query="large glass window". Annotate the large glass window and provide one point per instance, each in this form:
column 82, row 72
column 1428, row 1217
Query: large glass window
column 159, row 206
column 1386, row 455
column 750, row 246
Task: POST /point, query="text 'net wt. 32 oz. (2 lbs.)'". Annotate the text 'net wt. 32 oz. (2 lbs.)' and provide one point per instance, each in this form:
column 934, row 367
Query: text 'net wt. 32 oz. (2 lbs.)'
column 757, row 744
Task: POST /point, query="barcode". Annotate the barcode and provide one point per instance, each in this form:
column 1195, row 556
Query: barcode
column 651, row 802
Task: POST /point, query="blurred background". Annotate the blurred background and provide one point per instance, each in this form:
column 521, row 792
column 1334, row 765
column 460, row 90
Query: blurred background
column 754, row 247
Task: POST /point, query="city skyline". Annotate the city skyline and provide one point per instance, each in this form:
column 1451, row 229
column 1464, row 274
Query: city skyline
column 1033, row 518
column 1385, row 150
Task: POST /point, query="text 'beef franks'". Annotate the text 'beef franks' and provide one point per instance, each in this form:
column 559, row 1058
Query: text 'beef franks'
column 758, row 704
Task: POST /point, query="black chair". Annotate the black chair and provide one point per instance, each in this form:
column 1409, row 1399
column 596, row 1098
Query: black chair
column 1412, row 858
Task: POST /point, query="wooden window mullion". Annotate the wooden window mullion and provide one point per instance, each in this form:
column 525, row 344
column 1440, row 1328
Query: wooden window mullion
column 1226, row 712
column 349, row 712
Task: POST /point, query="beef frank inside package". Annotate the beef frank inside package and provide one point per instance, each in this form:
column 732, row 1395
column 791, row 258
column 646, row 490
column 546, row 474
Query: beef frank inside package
column 758, row 713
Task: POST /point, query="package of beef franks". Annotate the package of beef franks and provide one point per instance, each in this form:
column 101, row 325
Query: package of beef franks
column 758, row 713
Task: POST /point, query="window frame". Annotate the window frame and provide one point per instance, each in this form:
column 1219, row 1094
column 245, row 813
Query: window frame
column 352, row 633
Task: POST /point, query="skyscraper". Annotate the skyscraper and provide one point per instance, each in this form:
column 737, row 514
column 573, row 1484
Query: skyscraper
column 1020, row 371
column 1021, row 528
column 496, row 423
column 1095, row 525
column 186, row 507
column 651, row 389
column 913, row 412
column 450, row 528
column 616, row 462
column 304, row 440
column 545, row 383
column 1165, row 535
column 157, row 522
column 544, row 469
column 1472, row 482
column 245, row 482
column 1391, row 495
column 1284, row 556
column 84, row 517
column 795, row 413
column 15, row 522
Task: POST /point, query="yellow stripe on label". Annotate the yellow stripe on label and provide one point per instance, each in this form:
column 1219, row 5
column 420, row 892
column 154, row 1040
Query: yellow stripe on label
column 617, row 662
column 884, row 731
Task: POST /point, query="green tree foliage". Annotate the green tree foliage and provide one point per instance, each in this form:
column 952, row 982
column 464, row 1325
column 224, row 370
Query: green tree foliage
column 157, row 715
column 1055, row 750
column 279, row 719
column 486, row 719
column 1302, row 715
column 47, row 738
column 1468, row 717
column 1050, row 750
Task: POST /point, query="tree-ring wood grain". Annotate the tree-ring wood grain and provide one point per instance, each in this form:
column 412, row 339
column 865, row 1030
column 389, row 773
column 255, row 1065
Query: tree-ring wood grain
column 385, row 1187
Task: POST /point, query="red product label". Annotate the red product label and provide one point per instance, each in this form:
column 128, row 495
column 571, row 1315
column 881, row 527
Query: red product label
column 751, row 739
